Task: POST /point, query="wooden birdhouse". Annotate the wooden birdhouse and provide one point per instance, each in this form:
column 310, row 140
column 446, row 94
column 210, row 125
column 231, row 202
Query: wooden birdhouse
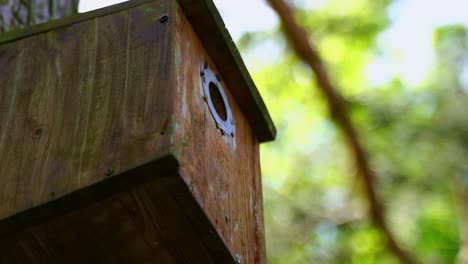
column 130, row 134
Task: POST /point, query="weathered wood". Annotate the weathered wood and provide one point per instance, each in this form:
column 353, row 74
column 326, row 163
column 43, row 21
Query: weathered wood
column 212, row 32
column 147, row 223
column 91, row 108
column 210, row 28
column 222, row 171
column 148, row 97
column 87, row 196
column 71, row 107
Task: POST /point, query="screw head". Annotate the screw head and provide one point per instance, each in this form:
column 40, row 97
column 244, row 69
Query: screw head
column 163, row 19
column 109, row 171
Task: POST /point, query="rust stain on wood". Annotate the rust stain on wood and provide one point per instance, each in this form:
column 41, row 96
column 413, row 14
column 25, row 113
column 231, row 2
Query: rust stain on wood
column 83, row 104
column 210, row 28
column 223, row 171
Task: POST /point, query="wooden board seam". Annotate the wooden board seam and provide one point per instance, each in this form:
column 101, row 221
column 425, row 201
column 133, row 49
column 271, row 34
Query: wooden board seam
column 166, row 165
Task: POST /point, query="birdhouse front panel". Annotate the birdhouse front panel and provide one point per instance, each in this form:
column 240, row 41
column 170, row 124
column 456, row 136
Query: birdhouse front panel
column 82, row 103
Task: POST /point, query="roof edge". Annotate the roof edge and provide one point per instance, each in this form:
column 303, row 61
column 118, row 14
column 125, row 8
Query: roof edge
column 210, row 28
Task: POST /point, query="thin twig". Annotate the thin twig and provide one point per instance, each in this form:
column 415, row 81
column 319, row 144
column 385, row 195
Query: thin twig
column 298, row 38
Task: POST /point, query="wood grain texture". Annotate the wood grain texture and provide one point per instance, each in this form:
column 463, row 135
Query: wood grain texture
column 210, row 28
column 146, row 223
column 212, row 32
column 87, row 196
column 81, row 103
column 222, row 171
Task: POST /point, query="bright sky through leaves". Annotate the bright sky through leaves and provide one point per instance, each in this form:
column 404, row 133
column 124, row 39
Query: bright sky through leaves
column 406, row 44
column 409, row 38
column 88, row 5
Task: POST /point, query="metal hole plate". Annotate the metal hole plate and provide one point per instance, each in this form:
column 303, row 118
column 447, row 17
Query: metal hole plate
column 209, row 77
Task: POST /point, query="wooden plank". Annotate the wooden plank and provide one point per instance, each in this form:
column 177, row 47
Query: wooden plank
column 222, row 171
column 83, row 103
column 149, row 94
column 22, row 141
column 212, row 32
column 55, row 167
column 146, row 223
column 257, row 206
column 102, row 122
column 87, row 196
column 12, row 123
column 210, row 28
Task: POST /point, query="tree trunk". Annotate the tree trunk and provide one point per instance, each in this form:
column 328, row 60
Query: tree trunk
column 16, row 14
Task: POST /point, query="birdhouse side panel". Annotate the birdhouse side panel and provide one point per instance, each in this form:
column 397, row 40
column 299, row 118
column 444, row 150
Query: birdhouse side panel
column 217, row 148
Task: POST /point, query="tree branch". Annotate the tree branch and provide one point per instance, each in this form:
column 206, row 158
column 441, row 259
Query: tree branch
column 304, row 49
column 461, row 196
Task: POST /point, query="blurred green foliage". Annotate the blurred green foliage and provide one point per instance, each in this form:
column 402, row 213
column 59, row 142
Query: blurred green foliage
column 416, row 137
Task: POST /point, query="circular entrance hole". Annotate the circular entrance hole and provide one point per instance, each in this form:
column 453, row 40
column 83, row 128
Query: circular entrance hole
column 218, row 101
